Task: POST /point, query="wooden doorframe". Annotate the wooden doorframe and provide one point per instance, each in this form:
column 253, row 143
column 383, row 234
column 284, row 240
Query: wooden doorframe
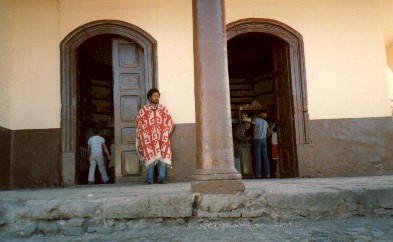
column 297, row 68
column 68, row 61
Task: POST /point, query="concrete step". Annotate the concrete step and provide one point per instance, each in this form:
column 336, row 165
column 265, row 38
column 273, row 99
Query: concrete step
column 77, row 209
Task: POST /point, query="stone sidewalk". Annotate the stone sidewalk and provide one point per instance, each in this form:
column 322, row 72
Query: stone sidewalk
column 76, row 210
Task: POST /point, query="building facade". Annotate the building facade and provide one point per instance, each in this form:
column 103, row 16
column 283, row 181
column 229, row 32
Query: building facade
column 324, row 67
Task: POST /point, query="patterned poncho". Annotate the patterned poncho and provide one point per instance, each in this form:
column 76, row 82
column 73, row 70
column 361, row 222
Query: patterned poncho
column 154, row 127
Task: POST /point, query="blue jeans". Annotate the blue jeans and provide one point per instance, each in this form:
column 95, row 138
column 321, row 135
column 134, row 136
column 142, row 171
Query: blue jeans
column 260, row 147
column 161, row 172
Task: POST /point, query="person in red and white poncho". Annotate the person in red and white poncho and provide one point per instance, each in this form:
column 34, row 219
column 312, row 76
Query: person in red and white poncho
column 154, row 126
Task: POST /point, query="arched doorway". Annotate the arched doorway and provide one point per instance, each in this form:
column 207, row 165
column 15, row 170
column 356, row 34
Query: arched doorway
column 132, row 71
column 266, row 64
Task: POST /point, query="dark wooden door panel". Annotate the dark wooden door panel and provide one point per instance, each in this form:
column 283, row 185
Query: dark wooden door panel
column 287, row 166
column 283, row 102
column 129, row 96
column 129, row 106
column 129, row 162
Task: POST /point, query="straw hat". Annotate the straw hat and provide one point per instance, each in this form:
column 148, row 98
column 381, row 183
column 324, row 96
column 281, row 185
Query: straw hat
column 246, row 119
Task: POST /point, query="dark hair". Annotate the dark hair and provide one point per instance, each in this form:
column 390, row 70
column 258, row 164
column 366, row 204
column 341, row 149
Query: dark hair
column 150, row 92
column 96, row 131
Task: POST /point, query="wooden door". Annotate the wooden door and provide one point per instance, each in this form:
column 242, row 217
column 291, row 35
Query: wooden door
column 285, row 119
column 129, row 95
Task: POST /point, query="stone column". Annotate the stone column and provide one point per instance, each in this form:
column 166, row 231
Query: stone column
column 215, row 171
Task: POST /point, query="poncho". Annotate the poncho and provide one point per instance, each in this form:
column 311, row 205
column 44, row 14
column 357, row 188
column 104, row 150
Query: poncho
column 153, row 129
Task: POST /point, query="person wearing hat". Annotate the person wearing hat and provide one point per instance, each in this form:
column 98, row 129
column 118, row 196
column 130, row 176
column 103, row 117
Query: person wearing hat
column 240, row 139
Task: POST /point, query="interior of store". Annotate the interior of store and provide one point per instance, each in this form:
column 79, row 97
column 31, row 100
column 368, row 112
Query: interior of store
column 94, row 97
column 252, row 82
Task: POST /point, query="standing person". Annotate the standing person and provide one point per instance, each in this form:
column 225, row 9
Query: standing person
column 154, row 126
column 240, row 139
column 261, row 132
column 95, row 147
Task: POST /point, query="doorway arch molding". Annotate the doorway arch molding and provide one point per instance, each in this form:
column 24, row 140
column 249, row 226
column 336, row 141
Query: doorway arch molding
column 69, row 72
column 297, row 66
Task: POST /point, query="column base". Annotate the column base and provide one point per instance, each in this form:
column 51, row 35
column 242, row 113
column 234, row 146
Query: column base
column 218, row 186
column 220, row 181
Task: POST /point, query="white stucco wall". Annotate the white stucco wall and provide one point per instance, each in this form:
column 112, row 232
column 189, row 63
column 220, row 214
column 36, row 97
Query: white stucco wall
column 344, row 53
column 5, row 67
column 389, row 70
column 387, row 18
column 33, row 66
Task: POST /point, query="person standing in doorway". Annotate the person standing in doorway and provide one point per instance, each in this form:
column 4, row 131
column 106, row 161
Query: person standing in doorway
column 260, row 133
column 95, row 147
column 240, row 139
column 154, row 126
